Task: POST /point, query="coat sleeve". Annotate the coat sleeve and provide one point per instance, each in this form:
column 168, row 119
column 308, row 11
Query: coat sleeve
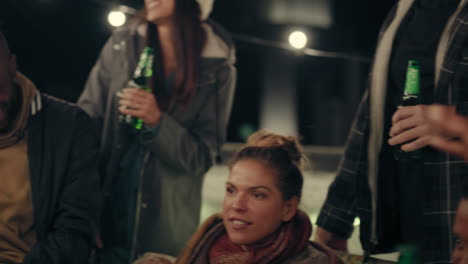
column 192, row 149
column 70, row 237
column 94, row 96
column 339, row 210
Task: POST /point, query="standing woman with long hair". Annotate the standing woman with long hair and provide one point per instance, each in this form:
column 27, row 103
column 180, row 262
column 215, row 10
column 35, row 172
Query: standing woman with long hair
column 152, row 175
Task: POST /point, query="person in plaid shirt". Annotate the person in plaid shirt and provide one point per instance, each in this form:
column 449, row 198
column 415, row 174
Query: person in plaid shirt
column 453, row 135
column 401, row 201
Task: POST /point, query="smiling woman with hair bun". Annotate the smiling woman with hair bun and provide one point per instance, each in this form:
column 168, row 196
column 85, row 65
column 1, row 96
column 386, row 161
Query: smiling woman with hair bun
column 260, row 222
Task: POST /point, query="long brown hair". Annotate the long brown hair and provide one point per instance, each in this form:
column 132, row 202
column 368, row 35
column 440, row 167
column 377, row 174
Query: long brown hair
column 189, row 39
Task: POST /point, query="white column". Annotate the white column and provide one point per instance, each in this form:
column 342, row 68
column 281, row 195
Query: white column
column 278, row 110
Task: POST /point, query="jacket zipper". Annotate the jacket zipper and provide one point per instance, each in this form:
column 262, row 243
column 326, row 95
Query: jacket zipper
column 136, row 225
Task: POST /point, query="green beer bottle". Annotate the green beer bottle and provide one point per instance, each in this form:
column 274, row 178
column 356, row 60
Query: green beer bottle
column 409, row 254
column 411, row 96
column 141, row 79
column 412, row 84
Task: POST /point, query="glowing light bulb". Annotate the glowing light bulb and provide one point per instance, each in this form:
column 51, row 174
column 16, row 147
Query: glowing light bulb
column 116, row 18
column 298, row 39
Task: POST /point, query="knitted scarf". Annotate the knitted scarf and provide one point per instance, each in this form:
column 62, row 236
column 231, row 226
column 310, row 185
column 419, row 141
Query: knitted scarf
column 211, row 244
column 16, row 132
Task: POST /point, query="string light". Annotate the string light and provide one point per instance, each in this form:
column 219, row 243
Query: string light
column 298, row 39
column 116, row 18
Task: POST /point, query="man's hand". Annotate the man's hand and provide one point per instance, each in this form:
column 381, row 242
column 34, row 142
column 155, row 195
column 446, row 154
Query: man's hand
column 411, row 127
column 452, row 131
column 330, row 240
column 141, row 104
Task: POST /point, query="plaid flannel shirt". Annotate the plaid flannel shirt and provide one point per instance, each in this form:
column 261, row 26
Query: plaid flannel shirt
column 350, row 196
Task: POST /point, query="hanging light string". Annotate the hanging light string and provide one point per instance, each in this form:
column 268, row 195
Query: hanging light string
column 305, row 51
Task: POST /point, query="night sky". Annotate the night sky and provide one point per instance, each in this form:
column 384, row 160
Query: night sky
column 58, row 41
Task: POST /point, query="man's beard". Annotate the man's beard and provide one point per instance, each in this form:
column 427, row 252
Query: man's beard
column 4, row 116
column 9, row 110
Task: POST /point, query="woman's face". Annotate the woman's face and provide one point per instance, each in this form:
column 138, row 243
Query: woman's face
column 158, row 11
column 253, row 205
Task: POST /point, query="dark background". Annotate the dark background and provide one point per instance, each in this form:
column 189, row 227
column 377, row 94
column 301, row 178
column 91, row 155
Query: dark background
column 58, row 41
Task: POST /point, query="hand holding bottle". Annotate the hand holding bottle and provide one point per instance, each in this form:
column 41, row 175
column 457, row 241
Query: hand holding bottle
column 140, row 104
column 412, row 128
column 135, row 104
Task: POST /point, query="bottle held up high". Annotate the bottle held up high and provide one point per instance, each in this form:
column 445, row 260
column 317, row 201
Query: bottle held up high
column 142, row 80
column 411, row 96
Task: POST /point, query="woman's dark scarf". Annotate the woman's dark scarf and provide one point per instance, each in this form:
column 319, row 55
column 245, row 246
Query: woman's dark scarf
column 211, row 244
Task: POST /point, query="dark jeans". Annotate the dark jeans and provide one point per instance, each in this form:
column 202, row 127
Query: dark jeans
column 411, row 202
column 400, row 208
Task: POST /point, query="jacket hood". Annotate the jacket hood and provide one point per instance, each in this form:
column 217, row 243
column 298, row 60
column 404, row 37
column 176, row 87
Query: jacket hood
column 31, row 96
column 205, row 7
column 219, row 44
column 28, row 103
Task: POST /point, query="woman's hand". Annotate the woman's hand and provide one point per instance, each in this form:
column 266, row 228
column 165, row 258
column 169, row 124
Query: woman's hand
column 141, row 104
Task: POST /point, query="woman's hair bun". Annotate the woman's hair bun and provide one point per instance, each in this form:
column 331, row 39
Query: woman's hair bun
column 281, row 154
column 267, row 139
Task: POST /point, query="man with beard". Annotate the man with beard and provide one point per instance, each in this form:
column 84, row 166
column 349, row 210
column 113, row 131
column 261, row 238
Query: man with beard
column 48, row 174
